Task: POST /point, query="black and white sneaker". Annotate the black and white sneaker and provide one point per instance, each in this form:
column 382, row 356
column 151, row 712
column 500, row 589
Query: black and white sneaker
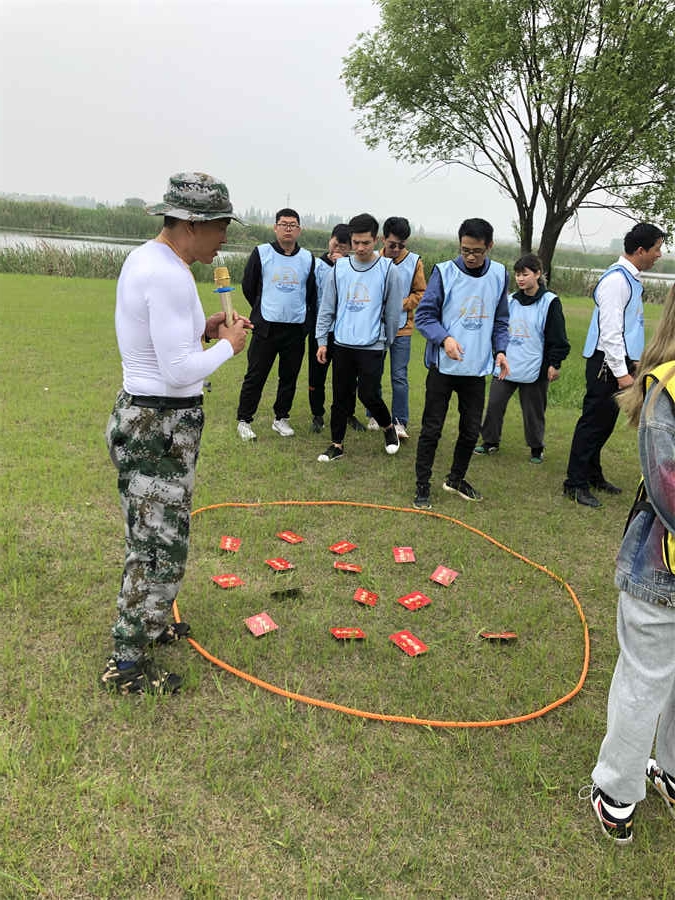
column 463, row 488
column 331, row 454
column 422, row 500
column 616, row 819
column 663, row 784
column 391, row 440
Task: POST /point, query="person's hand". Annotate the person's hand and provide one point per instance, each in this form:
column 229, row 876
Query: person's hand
column 553, row 374
column 248, row 325
column 452, row 348
column 212, row 323
column 504, row 368
column 625, row 382
column 322, row 354
column 236, row 335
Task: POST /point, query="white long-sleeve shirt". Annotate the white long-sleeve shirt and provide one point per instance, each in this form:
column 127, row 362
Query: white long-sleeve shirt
column 159, row 322
column 612, row 296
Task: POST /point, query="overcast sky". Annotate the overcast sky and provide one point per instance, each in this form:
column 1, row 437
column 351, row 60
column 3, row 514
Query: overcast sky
column 107, row 99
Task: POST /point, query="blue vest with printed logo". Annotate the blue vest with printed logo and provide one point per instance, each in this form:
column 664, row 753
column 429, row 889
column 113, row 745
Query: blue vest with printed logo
column 284, row 284
column 407, row 268
column 359, row 314
column 526, row 338
column 633, row 318
column 468, row 314
column 321, row 270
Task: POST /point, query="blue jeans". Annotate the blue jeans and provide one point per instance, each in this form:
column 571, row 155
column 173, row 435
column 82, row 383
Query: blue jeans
column 399, row 357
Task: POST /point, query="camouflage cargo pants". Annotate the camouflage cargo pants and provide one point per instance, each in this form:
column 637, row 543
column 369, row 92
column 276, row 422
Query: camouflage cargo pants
column 155, row 453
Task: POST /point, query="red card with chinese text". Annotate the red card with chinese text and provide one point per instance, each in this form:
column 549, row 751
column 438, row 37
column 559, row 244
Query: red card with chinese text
column 342, row 547
column 443, row 575
column 227, row 581
column 348, row 634
column 347, row 567
column 260, row 624
column 230, row 543
column 290, row 537
column 404, row 554
column 407, row 642
column 279, row 564
column 414, row 601
column 361, row 595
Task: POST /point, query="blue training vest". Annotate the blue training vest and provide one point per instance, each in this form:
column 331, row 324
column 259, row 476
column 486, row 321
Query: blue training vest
column 526, row 338
column 321, row 269
column 359, row 313
column 284, row 284
column 468, row 314
column 633, row 318
column 407, row 268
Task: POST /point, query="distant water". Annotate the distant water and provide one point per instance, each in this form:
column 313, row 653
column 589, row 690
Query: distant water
column 82, row 242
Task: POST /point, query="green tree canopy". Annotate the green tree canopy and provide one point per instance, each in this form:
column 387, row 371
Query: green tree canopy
column 562, row 104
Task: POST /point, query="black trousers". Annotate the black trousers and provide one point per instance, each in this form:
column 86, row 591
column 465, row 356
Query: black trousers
column 288, row 343
column 596, row 423
column 470, row 392
column 317, row 373
column 352, row 367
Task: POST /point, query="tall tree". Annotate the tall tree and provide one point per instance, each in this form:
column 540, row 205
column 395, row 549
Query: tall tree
column 562, row 104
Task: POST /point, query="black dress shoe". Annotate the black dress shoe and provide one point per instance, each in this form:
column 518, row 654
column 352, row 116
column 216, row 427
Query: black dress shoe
column 582, row 496
column 606, row 486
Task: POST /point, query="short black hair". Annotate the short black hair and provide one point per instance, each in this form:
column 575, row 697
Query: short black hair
column 528, row 261
column 341, row 233
column 479, row 229
column 362, row 223
column 288, row 212
column 398, row 226
column 642, row 235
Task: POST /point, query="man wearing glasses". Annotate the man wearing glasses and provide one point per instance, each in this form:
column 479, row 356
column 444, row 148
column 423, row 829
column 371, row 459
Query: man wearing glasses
column 464, row 316
column 279, row 284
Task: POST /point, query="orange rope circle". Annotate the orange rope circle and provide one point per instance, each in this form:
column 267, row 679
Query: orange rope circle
column 383, row 717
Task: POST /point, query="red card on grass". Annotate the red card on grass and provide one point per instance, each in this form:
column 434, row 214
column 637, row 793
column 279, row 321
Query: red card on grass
column 414, row 601
column 443, row 575
column 279, row 564
column 230, row 543
column 361, row 595
column 260, row 624
column 404, row 554
column 347, row 567
column 290, row 537
column 342, row 547
column 348, row 634
column 407, row 642
column 227, row 581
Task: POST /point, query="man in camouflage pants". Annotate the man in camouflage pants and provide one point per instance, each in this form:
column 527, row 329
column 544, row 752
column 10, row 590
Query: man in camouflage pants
column 155, row 428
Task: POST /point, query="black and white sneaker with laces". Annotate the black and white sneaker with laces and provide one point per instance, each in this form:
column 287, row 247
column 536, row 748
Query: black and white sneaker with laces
column 422, row 500
column 331, row 454
column 616, row 819
column 142, row 677
column 463, row 488
column 391, row 440
column 663, row 784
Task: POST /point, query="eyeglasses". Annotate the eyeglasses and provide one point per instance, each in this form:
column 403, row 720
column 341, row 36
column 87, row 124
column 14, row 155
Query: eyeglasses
column 395, row 245
column 473, row 251
column 287, row 226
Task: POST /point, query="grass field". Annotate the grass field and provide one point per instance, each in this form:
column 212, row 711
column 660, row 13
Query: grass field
column 229, row 791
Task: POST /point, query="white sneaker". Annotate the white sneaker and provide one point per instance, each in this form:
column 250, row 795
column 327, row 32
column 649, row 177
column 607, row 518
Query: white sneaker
column 401, row 432
column 245, row 432
column 282, row 427
column 372, row 425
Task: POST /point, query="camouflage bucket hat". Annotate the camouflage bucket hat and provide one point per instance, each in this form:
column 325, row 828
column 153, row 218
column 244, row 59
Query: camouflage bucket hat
column 195, row 197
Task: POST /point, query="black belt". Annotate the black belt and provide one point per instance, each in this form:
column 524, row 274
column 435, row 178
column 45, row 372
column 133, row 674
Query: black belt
column 164, row 402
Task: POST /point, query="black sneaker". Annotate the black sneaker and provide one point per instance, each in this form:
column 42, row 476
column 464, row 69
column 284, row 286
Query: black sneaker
column 317, row 424
column 331, row 454
column 463, row 488
column 483, row 449
column 422, row 500
column 354, row 423
column 142, row 678
column 582, row 496
column 663, row 783
column 391, row 440
column 172, row 633
column 615, row 818
column 607, row 487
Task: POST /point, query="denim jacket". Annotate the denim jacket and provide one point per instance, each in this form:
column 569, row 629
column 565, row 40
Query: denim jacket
column 640, row 570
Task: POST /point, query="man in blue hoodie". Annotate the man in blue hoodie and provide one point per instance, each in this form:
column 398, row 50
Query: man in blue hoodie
column 464, row 316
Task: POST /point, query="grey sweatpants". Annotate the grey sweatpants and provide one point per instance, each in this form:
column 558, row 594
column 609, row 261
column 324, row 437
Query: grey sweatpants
column 532, row 398
column 642, row 695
